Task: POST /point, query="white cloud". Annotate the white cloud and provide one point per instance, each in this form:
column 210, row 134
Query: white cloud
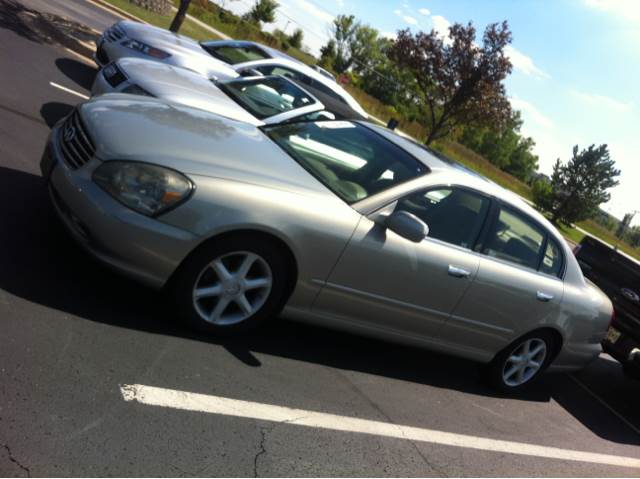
column 424, row 11
column 441, row 26
column 389, row 35
column 627, row 9
column 531, row 112
column 601, row 101
column 524, row 63
column 409, row 20
column 313, row 10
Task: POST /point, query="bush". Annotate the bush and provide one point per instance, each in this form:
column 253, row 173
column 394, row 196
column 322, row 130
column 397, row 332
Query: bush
column 542, row 192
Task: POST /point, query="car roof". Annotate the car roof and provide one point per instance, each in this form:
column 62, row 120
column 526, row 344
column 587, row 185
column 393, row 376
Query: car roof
column 272, row 52
column 610, row 249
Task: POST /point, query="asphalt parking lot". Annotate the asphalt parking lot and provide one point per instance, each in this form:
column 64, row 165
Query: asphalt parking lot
column 98, row 378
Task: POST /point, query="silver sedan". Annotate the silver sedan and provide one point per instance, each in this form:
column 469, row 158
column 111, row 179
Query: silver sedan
column 339, row 223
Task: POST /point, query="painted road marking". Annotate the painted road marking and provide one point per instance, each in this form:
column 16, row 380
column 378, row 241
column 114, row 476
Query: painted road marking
column 86, row 60
column 68, row 90
column 171, row 398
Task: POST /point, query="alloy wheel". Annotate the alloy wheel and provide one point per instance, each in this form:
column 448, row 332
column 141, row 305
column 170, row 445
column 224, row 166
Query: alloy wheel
column 232, row 288
column 524, row 362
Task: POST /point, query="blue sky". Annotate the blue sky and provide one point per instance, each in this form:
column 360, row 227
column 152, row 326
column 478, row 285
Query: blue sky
column 576, row 75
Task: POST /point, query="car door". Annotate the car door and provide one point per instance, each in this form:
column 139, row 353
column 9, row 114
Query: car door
column 518, row 286
column 385, row 281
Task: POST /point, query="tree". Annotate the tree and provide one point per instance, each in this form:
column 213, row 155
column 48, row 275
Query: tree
column 506, row 148
column 634, row 236
column 523, row 163
column 295, row 39
column 180, row 16
column 542, row 193
column 328, row 54
column 461, row 81
column 581, row 185
column 344, row 29
column 262, row 11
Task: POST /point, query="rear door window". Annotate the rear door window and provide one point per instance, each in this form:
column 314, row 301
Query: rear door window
column 516, row 239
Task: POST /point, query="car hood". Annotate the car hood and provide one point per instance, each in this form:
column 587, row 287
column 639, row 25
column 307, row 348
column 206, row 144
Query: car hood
column 183, row 86
column 184, row 51
column 193, row 141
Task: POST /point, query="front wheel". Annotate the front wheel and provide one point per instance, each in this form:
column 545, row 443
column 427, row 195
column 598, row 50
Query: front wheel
column 231, row 285
column 522, row 362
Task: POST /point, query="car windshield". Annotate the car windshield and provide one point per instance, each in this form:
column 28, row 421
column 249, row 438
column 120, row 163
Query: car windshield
column 234, row 54
column 265, row 97
column 350, row 159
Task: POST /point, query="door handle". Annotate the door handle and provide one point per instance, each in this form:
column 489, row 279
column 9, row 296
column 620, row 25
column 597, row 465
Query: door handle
column 544, row 296
column 458, row 272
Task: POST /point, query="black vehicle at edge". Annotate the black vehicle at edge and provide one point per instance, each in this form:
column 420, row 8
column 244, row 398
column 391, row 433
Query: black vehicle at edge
column 618, row 276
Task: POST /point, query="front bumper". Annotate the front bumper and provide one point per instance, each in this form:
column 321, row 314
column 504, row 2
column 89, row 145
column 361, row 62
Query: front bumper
column 143, row 248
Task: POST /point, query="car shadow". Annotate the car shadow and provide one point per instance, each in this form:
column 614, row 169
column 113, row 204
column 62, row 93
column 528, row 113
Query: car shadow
column 78, row 72
column 53, row 111
column 42, row 264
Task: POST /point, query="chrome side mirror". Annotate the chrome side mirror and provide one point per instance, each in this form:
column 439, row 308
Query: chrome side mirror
column 407, row 225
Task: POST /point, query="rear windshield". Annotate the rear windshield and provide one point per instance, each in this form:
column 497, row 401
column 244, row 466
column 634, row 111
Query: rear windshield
column 351, row 160
column 233, row 54
column 265, row 97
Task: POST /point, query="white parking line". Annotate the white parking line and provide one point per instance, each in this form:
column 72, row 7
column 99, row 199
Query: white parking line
column 155, row 396
column 68, row 90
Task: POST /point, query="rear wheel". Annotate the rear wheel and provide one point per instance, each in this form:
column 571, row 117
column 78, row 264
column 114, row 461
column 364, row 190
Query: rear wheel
column 231, row 286
column 522, row 362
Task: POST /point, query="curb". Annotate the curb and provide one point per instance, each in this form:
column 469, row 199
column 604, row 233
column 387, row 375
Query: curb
column 115, row 10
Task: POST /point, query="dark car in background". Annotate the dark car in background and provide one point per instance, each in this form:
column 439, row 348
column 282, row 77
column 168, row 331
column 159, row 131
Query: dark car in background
column 618, row 276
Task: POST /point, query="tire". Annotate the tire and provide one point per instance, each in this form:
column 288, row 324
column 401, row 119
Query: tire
column 509, row 376
column 209, row 287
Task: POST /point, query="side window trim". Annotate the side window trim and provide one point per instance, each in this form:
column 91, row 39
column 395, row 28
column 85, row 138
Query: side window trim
column 563, row 260
column 543, row 250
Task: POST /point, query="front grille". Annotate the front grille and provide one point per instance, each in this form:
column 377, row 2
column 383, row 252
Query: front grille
column 114, row 33
column 77, row 147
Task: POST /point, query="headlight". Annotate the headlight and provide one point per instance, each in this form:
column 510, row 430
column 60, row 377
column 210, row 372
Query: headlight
column 136, row 90
column 146, row 49
column 145, row 188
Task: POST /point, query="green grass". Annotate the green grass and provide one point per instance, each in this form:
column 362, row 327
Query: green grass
column 189, row 28
column 478, row 163
column 570, row 233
